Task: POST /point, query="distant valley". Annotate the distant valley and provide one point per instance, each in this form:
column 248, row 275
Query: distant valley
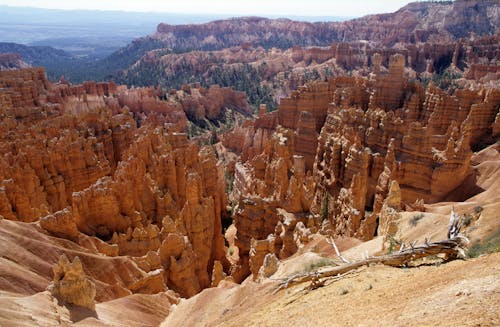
column 82, row 33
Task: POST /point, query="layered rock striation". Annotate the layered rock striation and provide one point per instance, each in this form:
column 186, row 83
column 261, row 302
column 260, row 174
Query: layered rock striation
column 326, row 160
column 100, row 162
column 395, row 129
column 411, row 24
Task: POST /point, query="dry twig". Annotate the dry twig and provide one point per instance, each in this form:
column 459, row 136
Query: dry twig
column 332, row 242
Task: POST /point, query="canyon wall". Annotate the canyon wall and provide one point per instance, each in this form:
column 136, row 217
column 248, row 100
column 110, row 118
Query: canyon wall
column 254, row 69
column 325, row 161
column 411, row 24
column 112, row 163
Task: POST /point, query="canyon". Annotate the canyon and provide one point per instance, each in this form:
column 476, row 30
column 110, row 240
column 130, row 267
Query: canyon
column 186, row 202
column 94, row 169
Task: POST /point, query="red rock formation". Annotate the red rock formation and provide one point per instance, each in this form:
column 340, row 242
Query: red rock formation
column 211, row 103
column 374, row 132
column 428, row 153
column 312, row 98
column 389, row 90
column 61, row 224
column 71, row 284
column 389, row 213
column 284, row 71
column 259, row 249
column 84, row 166
column 255, row 218
column 413, row 23
column 270, row 179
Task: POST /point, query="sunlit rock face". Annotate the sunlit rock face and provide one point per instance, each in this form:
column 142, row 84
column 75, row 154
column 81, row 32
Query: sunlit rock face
column 111, row 162
column 376, row 132
column 330, row 154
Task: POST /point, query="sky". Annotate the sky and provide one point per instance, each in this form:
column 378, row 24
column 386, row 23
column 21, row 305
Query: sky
column 282, row 8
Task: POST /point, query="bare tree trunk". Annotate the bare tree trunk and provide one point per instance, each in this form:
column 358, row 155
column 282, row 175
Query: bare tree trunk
column 453, row 248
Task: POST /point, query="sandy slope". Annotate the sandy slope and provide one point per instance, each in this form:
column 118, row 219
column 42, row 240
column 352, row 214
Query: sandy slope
column 27, row 255
column 459, row 293
column 42, row 309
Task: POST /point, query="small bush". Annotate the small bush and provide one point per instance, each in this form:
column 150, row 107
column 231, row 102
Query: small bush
column 319, row 264
column 477, row 209
column 467, row 220
column 229, row 182
column 489, row 245
column 344, row 291
column 325, row 206
column 392, row 245
column 416, row 218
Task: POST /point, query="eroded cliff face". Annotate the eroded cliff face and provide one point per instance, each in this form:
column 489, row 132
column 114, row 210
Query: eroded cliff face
column 100, row 162
column 326, row 159
column 250, row 68
column 104, row 196
column 416, row 22
column 425, row 145
column 9, row 61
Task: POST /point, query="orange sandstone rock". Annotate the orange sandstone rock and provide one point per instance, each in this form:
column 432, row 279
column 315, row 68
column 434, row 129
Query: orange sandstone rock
column 72, row 285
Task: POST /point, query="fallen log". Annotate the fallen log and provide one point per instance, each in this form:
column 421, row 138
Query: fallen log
column 452, row 248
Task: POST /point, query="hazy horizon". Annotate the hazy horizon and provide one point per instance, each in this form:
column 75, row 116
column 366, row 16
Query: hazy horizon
column 276, row 8
column 95, row 29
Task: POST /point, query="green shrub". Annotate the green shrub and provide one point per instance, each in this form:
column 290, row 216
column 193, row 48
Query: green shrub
column 318, row 264
column 324, row 206
column 467, row 220
column 392, row 245
column 489, row 245
column 416, row 218
column 477, row 209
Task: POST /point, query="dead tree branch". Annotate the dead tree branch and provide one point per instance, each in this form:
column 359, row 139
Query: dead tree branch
column 332, row 242
column 452, row 248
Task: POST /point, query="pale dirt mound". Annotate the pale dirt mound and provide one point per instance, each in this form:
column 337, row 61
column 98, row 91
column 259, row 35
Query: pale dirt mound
column 27, row 255
column 320, row 245
column 298, row 264
column 214, row 305
column 459, row 293
column 323, row 253
column 318, row 252
column 42, row 309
